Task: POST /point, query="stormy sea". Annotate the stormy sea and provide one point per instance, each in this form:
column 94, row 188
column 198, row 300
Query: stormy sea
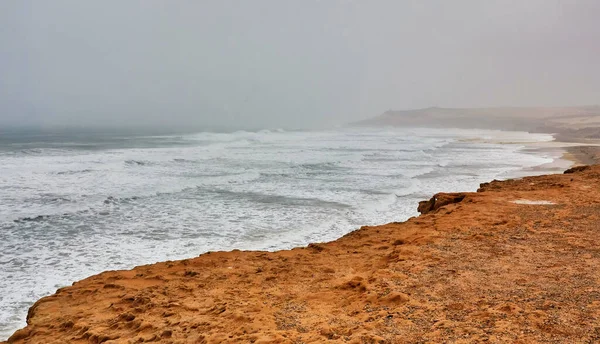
column 76, row 204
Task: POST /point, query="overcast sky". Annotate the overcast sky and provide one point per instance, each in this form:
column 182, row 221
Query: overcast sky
column 284, row 63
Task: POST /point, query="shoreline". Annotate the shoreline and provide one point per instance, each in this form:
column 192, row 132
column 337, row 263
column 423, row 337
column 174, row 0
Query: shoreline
column 565, row 155
column 463, row 270
column 584, row 154
column 401, row 212
column 582, row 151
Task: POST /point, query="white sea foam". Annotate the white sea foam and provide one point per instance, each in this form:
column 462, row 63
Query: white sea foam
column 71, row 212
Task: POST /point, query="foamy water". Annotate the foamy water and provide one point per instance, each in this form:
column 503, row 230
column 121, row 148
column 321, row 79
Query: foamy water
column 73, row 206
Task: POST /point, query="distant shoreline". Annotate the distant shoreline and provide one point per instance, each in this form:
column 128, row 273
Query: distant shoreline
column 567, row 154
column 576, row 129
column 579, row 124
column 584, row 155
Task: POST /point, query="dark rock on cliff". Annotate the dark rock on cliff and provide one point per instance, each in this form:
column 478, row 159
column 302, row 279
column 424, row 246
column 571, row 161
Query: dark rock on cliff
column 577, row 169
column 439, row 200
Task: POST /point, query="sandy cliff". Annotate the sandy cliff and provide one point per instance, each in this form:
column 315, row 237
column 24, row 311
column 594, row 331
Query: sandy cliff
column 516, row 262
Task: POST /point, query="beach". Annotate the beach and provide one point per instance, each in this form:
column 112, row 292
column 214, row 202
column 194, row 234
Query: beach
column 565, row 154
column 584, row 154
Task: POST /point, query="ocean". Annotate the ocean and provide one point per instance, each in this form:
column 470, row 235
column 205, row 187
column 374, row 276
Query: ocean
column 76, row 204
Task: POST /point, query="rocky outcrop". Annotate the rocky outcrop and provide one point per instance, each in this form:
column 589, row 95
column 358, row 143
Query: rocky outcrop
column 577, row 169
column 439, row 200
column 488, row 269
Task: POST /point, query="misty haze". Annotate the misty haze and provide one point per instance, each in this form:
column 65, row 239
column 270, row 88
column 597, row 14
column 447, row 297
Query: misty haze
column 274, row 64
column 391, row 170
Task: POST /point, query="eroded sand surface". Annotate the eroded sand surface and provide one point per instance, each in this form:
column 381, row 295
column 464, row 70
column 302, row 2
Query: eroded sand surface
column 476, row 268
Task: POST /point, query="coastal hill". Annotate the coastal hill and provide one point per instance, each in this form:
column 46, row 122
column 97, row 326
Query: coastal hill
column 568, row 122
column 515, row 262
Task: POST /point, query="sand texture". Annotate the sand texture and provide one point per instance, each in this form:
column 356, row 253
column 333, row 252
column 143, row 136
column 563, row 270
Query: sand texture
column 476, row 267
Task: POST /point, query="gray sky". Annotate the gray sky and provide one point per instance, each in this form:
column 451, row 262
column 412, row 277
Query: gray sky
column 284, row 63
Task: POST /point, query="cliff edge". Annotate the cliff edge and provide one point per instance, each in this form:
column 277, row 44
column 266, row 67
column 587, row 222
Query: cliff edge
column 515, row 262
